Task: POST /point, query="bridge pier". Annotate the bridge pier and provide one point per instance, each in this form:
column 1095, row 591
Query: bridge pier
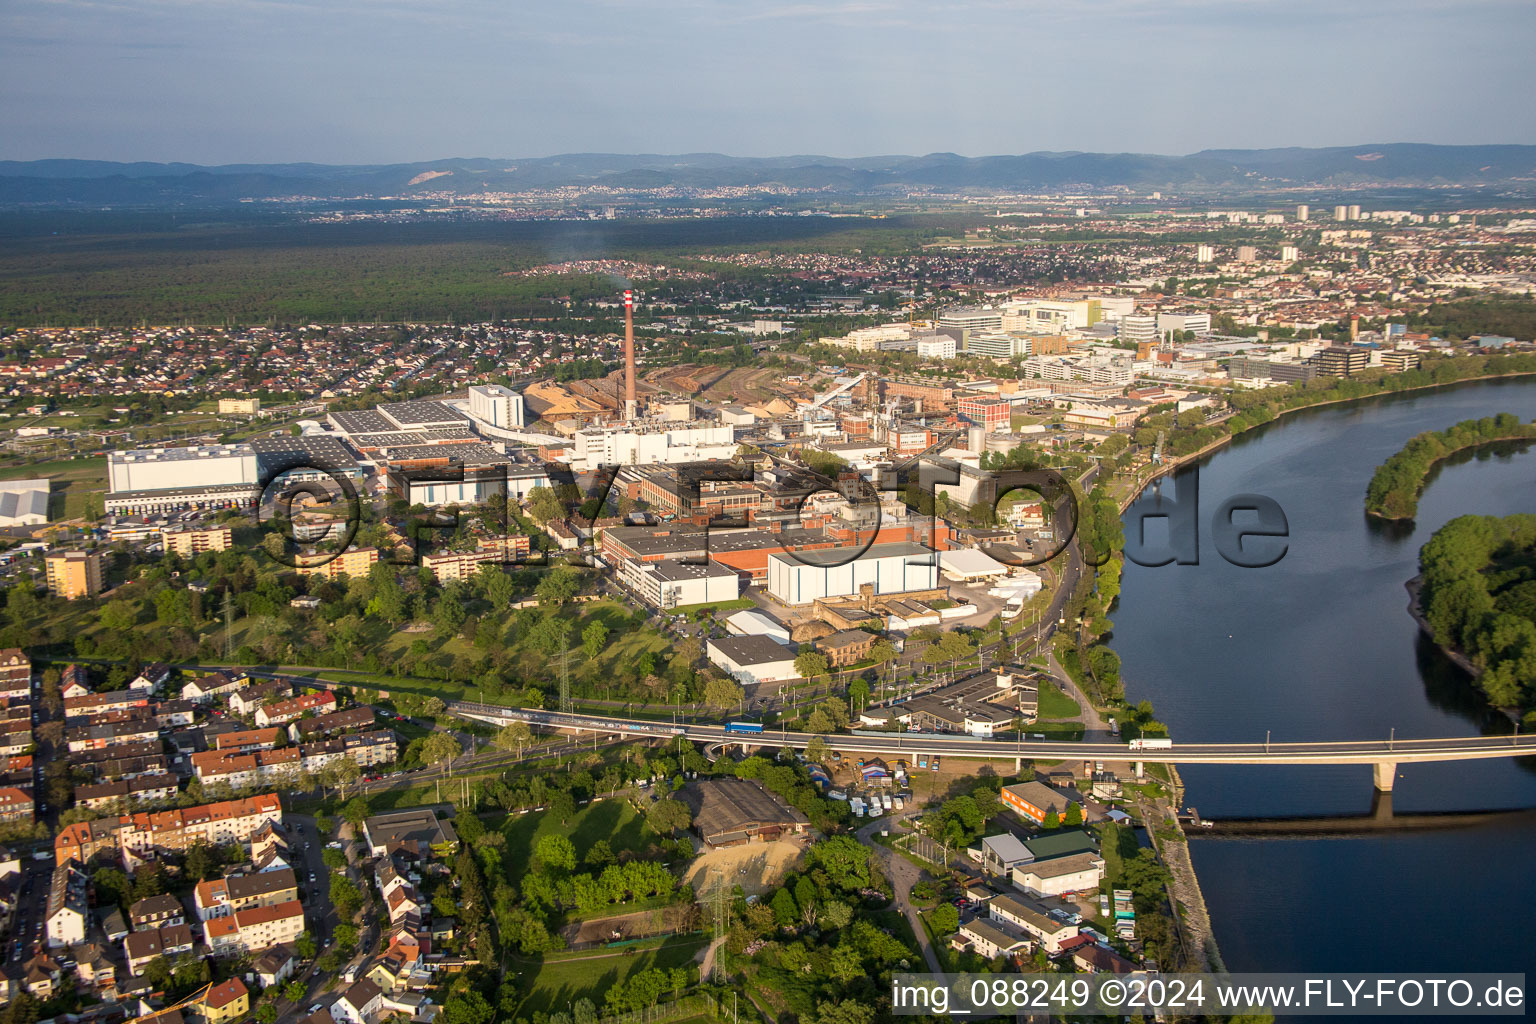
column 1386, row 773
column 1140, row 770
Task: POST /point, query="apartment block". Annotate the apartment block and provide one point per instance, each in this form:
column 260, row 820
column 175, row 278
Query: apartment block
column 73, row 574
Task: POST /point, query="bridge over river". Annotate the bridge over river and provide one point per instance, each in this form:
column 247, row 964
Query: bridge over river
column 1383, row 755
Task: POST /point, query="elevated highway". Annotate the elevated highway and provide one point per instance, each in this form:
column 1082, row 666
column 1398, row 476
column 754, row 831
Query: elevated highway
column 1383, row 755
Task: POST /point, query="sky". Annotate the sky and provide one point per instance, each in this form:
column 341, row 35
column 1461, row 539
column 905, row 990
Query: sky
column 387, row 81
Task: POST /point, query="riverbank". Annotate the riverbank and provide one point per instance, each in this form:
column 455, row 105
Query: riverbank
column 1174, row 464
column 1415, row 588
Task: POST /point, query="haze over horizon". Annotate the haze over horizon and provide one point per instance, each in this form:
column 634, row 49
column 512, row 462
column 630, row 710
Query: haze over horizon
column 387, row 81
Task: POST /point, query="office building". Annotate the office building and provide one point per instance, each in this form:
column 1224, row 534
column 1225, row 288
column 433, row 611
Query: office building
column 1136, row 329
column 73, row 574
column 993, row 414
column 668, row 584
column 1195, row 323
column 935, row 346
column 971, row 318
column 1341, row 360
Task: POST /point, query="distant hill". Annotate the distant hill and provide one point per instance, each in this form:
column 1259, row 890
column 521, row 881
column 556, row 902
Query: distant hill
column 1399, row 164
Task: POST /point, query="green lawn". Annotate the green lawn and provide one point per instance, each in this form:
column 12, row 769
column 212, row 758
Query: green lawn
column 718, row 607
column 1056, row 704
column 613, row 820
column 557, row 984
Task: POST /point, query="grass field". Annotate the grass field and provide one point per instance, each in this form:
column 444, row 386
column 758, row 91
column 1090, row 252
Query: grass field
column 558, row 983
column 1056, row 704
column 613, row 820
column 72, row 480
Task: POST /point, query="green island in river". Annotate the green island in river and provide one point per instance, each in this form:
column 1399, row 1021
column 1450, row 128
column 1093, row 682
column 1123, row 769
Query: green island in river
column 1478, row 600
column 1394, row 490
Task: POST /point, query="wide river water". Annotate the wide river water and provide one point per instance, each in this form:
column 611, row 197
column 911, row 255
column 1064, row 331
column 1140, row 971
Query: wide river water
column 1321, row 646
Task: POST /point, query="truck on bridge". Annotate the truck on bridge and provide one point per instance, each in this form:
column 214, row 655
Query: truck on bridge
column 1152, row 743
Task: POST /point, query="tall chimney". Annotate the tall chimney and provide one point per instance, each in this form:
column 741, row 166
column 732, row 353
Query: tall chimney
column 629, row 356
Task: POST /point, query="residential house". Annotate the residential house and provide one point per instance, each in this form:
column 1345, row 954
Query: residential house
column 141, row 947
column 153, row 912
column 359, row 1004
column 227, row 1001
column 283, row 711
column 222, row 896
column 1027, row 915
column 67, row 911
column 988, row 939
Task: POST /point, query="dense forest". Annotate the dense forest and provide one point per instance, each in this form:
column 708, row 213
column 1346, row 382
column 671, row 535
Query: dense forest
column 297, row 272
column 1393, row 492
column 1479, row 595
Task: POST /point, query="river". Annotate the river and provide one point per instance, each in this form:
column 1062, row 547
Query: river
column 1321, row 646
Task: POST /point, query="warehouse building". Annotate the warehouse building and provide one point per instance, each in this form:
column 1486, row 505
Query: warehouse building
column 752, row 659
column 734, row 812
column 809, row 576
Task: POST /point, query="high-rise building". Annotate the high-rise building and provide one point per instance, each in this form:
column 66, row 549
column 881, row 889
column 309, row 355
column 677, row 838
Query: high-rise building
column 1247, row 254
column 1288, row 254
column 497, row 406
column 1137, row 329
column 73, row 574
column 1341, row 213
column 1204, row 254
column 1303, row 211
column 1354, row 212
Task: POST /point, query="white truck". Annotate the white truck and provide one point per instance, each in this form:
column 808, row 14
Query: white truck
column 1151, row 743
column 885, row 800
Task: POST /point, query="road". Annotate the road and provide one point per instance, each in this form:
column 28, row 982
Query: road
column 903, row 875
column 1393, row 750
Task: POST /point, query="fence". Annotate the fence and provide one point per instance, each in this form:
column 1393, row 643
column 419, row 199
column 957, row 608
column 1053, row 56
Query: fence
column 699, row 1004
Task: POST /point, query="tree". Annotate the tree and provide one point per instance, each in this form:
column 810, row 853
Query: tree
column 811, row 664
column 669, row 816
column 440, row 748
column 562, row 805
column 544, row 506
column 1074, row 815
column 1052, row 820
column 816, row 749
column 514, row 736
column 593, row 639
column 333, row 859
column 355, row 811
column 552, row 635
column 723, row 693
column 346, row 937
column 294, row 991
column 556, row 853
column 304, row 946
column 945, row 919
column 558, row 586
